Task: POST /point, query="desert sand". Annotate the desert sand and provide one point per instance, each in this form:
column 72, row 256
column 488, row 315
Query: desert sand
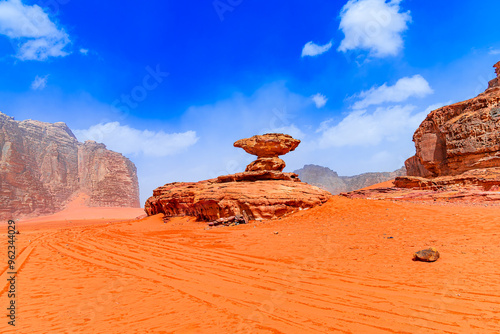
column 343, row 267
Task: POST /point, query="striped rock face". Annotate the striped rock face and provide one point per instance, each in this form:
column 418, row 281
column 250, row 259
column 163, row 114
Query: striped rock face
column 42, row 166
column 460, row 137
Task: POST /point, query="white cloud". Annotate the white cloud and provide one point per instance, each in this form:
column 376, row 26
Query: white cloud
column 311, row 49
column 494, row 52
column 38, row 37
column 84, row 51
column 291, row 130
column 361, row 128
column 127, row 140
column 403, row 89
column 373, row 25
column 319, row 100
column 39, row 83
column 325, row 125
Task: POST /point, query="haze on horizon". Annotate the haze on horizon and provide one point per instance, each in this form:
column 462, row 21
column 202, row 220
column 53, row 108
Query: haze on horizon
column 172, row 86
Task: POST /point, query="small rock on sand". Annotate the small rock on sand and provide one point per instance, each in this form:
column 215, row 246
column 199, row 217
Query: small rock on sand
column 426, row 255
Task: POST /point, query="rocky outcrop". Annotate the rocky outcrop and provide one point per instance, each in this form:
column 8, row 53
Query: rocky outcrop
column 108, row 177
column 261, row 192
column 327, row 179
column 274, row 163
column 269, row 145
column 461, row 137
column 267, row 148
column 259, row 175
column 495, row 82
column 210, row 200
column 414, row 167
column 42, row 165
column 474, row 180
column 425, row 192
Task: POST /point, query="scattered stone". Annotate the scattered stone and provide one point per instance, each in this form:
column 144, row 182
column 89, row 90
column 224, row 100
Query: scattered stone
column 229, row 221
column 245, row 217
column 276, row 232
column 426, row 255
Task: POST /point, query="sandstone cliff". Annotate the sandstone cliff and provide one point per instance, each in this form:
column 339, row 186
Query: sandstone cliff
column 42, row 165
column 327, row 179
column 461, row 137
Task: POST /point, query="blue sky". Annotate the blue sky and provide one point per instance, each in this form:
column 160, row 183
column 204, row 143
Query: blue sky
column 173, row 84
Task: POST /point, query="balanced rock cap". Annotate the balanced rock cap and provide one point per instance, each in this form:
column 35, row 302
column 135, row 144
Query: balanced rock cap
column 269, row 145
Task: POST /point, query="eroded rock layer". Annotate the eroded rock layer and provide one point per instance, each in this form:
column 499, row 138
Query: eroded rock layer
column 211, row 199
column 274, row 163
column 461, row 137
column 42, row 165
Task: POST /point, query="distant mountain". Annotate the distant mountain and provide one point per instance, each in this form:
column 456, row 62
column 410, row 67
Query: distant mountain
column 327, row 179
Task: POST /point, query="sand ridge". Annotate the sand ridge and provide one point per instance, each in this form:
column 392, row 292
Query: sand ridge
column 344, row 267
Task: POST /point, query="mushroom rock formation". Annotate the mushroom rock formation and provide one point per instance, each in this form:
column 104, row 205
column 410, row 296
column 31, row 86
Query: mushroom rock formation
column 267, row 148
column 263, row 191
column 458, row 140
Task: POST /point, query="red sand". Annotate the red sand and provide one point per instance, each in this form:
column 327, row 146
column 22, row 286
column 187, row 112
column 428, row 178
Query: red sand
column 331, row 269
column 386, row 184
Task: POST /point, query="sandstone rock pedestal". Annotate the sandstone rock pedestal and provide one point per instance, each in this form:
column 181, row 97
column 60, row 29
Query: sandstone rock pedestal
column 457, row 139
column 267, row 148
column 262, row 191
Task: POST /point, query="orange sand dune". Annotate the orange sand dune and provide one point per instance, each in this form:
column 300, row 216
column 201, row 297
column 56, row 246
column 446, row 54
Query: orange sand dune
column 344, row 267
column 77, row 213
column 386, row 184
